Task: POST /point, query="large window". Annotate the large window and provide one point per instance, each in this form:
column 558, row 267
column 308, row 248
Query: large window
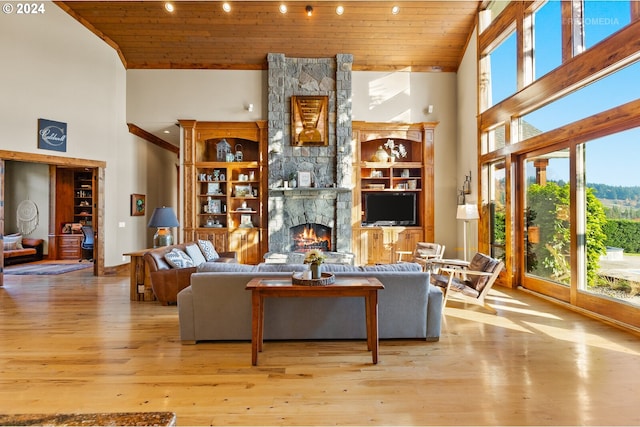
column 613, row 90
column 547, row 30
column 603, row 18
column 497, row 209
column 561, row 136
column 547, row 217
column 612, row 197
column 502, row 78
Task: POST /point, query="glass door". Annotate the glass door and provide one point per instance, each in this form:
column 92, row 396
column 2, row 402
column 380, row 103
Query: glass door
column 546, row 220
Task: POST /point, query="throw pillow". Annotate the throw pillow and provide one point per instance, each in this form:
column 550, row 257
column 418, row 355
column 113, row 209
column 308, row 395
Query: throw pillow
column 178, row 259
column 208, row 250
column 195, row 253
column 12, row 242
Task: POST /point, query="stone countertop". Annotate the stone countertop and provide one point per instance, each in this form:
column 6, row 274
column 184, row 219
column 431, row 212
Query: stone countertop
column 101, row 419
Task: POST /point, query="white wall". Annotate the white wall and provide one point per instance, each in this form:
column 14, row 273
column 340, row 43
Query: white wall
column 27, row 181
column 54, row 68
column 467, row 143
column 164, row 96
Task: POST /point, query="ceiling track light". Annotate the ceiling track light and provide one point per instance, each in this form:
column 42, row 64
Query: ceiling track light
column 283, row 8
column 226, row 7
column 309, row 10
column 339, row 10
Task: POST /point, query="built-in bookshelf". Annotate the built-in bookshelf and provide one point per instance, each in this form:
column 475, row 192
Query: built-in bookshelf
column 225, row 192
column 405, row 183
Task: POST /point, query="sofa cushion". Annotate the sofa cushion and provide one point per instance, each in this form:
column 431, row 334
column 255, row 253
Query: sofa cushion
column 402, row 266
column 12, row 242
column 195, row 253
column 268, row 267
column 15, row 253
column 226, row 267
column 340, row 268
column 208, row 250
column 178, row 259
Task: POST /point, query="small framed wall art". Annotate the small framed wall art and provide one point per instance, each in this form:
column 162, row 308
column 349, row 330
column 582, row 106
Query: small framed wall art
column 304, row 179
column 138, row 204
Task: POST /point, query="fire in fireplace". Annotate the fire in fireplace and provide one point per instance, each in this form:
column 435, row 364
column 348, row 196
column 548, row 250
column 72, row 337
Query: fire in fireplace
column 305, row 237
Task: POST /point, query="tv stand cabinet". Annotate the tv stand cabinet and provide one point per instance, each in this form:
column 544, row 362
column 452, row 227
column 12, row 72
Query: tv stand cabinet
column 412, row 173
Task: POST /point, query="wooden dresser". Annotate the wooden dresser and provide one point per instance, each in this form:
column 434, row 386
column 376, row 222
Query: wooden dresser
column 69, row 246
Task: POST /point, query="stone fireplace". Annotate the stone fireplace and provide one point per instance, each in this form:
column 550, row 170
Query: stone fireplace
column 327, row 203
column 305, row 237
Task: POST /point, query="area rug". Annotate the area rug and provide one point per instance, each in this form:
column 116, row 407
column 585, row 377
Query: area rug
column 44, row 269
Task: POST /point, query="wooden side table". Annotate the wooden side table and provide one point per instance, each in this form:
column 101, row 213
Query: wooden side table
column 140, row 280
column 366, row 287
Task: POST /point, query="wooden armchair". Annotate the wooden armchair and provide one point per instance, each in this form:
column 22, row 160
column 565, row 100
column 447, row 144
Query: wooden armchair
column 423, row 254
column 469, row 281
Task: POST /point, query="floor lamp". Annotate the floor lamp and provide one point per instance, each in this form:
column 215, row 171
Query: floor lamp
column 467, row 213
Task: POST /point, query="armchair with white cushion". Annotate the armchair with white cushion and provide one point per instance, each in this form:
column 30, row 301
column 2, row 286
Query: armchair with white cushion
column 423, row 254
column 468, row 281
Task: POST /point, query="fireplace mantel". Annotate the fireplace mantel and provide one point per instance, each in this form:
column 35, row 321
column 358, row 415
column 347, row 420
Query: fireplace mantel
column 298, row 191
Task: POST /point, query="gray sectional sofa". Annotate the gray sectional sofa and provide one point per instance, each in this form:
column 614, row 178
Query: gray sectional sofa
column 216, row 305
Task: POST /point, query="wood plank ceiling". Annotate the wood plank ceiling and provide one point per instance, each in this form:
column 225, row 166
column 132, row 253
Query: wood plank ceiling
column 423, row 36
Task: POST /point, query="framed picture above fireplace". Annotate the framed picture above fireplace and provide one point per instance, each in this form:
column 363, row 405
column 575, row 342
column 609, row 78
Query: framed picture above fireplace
column 309, row 120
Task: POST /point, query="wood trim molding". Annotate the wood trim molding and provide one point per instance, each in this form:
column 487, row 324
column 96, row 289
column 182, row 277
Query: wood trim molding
column 141, row 133
column 51, row 160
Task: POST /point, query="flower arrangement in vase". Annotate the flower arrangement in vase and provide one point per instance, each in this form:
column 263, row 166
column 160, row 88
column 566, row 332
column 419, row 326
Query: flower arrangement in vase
column 314, row 258
column 397, row 150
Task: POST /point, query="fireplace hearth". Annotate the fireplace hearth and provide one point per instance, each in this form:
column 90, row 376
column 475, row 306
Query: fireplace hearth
column 305, row 237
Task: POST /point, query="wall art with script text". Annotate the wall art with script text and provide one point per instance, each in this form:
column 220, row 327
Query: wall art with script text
column 52, row 135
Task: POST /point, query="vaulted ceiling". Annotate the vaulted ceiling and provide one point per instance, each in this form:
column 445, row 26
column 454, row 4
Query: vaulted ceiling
column 422, row 36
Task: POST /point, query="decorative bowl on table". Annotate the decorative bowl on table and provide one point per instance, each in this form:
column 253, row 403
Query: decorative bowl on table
column 325, row 279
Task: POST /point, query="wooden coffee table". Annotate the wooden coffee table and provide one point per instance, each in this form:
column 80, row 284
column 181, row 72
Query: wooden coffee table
column 262, row 288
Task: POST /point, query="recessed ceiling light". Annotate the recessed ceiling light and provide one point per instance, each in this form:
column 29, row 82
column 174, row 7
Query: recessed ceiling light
column 166, row 131
column 395, row 10
column 226, row 7
column 340, row 10
column 169, row 7
column 283, row 8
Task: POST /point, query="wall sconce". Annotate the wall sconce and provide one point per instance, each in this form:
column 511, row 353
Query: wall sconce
column 309, row 10
column 249, row 107
column 466, row 189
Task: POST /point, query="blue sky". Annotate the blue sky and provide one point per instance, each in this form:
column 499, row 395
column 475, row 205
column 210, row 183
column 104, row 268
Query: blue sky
column 612, row 160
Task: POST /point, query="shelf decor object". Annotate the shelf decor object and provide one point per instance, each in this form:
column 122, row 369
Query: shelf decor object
column 163, row 219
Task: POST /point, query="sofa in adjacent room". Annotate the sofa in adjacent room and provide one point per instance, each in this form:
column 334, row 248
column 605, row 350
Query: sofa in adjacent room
column 216, row 305
column 171, row 267
column 19, row 249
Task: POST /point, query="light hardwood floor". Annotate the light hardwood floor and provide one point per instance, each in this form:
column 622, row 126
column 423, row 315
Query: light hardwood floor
column 75, row 343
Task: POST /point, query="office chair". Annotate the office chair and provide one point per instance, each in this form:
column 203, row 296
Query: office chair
column 87, row 242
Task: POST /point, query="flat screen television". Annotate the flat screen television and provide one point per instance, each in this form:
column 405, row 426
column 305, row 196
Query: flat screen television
column 390, row 209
